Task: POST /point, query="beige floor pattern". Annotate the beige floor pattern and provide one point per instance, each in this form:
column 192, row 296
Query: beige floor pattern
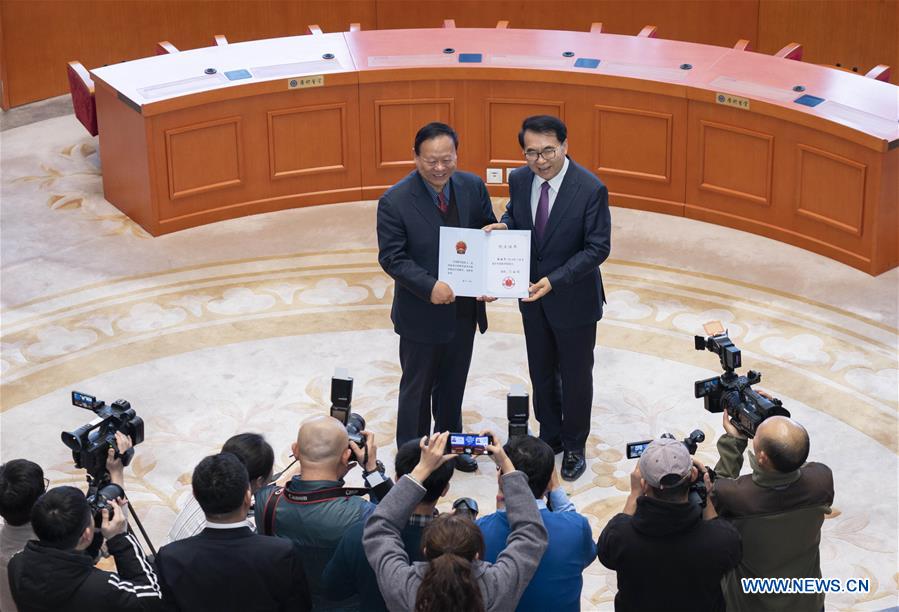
column 238, row 326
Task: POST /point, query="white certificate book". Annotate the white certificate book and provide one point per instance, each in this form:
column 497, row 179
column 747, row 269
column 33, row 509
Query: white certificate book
column 475, row 263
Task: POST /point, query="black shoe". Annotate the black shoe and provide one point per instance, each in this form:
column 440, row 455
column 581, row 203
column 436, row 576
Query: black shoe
column 573, row 465
column 466, row 463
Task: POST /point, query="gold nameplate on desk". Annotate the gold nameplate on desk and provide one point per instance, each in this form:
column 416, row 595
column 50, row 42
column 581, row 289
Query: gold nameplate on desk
column 309, row 81
column 729, row 100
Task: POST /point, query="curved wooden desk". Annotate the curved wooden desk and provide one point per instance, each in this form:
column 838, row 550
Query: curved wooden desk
column 706, row 132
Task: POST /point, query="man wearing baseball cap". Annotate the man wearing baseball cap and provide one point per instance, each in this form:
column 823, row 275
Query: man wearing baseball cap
column 669, row 553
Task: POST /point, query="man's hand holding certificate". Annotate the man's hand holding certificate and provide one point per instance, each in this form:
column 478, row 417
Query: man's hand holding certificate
column 476, row 263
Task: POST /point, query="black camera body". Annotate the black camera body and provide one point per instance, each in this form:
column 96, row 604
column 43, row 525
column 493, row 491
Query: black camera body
column 635, row 449
column 91, row 442
column 341, row 406
column 517, row 411
column 101, row 498
column 732, row 392
column 697, row 493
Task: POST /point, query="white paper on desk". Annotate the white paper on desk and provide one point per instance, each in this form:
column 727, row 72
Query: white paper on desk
column 475, row 263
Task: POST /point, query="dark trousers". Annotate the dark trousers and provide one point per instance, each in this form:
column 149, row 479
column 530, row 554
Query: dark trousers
column 560, row 362
column 433, row 380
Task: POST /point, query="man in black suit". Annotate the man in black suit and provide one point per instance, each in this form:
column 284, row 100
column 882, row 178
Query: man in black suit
column 228, row 566
column 567, row 210
column 436, row 328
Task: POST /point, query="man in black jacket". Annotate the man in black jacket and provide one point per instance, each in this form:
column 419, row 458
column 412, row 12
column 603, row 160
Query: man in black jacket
column 228, row 566
column 566, row 209
column 55, row 573
column 436, row 327
column 667, row 557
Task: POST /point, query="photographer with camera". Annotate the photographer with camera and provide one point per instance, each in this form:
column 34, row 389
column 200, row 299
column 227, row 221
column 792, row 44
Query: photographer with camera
column 454, row 577
column 669, row 553
column 778, row 509
column 227, row 566
column 56, row 571
column 349, row 570
column 315, row 510
column 558, row 581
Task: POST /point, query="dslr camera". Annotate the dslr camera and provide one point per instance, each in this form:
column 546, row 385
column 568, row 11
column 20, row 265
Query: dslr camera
column 732, row 392
column 91, row 442
column 341, row 403
column 698, row 493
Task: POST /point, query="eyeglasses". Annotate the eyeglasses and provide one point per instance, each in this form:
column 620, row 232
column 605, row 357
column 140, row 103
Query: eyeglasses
column 46, row 483
column 549, row 153
column 433, row 163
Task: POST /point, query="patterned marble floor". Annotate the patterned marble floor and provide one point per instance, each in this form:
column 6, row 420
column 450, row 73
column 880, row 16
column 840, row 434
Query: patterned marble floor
column 238, row 326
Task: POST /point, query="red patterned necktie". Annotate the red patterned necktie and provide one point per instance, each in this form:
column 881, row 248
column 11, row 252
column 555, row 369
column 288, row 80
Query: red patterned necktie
column 441, row 203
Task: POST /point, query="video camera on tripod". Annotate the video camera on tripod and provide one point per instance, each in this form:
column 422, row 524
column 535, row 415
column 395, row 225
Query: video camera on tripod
column 731, row 392
column 90, row 446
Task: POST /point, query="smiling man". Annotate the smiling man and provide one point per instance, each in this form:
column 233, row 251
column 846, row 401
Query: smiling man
column 436, row 328
column 567, row 210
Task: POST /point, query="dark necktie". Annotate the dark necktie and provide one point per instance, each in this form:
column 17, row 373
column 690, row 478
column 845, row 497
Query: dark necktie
column 542, row 211
column 441, row 203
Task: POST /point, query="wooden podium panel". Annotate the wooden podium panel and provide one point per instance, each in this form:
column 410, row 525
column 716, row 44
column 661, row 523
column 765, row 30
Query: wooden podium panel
column 799, row 153
column 787, row 182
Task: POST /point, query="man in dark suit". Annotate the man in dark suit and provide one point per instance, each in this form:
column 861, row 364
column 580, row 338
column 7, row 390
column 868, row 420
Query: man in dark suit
column 436, row 328
column 228, row 566
column 567, row 210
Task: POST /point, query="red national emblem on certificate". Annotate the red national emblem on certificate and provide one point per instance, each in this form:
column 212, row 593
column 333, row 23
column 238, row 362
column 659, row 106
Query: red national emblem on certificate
column 461, row 247
column 508, row 282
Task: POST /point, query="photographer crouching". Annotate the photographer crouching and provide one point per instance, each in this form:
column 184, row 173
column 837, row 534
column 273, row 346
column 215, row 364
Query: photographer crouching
column 56, row 571
column 778, row 509
column 669, row 553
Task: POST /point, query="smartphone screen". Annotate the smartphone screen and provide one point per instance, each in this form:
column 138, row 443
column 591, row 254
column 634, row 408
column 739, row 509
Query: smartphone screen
column 468, row 444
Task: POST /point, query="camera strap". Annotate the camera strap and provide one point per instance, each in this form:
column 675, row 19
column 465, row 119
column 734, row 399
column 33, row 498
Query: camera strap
column 303, row 497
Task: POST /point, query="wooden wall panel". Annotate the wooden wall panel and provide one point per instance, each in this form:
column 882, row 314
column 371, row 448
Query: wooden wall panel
column 735, row 162
column 824, row 190
column 854, row 33
column 830, row 189
column 307, row 140
column 204, row 157
column 306, row 137
column 41, row 36
column 708, row 21
column 639, row 148
column 633, row 143
column 126, row 138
